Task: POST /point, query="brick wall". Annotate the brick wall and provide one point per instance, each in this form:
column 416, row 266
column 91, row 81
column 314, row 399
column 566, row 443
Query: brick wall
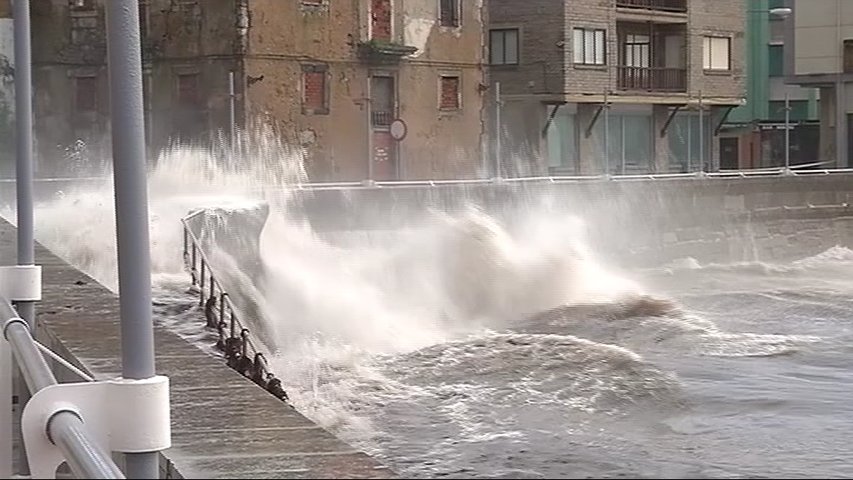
column 547, row 46
column 380, row 12
column 449, row 93
column 314, row 90
column 717, row 17
column 541, row 27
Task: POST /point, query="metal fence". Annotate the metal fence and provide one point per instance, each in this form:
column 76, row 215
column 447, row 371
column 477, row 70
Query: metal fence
column 235, row 341
column 795, row 170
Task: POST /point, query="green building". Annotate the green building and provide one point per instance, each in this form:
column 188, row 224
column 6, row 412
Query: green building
column 753, row 135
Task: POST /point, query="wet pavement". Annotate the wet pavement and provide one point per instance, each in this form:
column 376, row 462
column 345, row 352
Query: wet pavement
column 223, row 425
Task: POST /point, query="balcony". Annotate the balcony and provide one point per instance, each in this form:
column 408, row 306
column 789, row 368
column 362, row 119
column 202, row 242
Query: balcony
column 383, row 52
column 652, row 79
column 672, row 6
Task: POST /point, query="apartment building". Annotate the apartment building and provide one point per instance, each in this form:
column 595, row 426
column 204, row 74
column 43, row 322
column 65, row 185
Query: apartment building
column 331, row 76
column 821, row 32
column 753, row 135
column 614, row 86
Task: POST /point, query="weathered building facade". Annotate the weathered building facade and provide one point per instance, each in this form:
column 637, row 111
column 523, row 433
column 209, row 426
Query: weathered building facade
column 614, row 86
column 331, row 76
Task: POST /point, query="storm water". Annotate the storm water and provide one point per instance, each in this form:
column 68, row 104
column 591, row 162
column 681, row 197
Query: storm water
column 467, row 347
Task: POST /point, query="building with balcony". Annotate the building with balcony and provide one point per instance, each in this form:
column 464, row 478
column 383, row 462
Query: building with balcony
column 330, row 76
column 615, row 86
column 753, row 135
column 821, row 33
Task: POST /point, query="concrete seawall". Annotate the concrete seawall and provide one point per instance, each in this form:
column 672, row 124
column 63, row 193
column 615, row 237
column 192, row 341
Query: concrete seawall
column 223, row 425
column 638, row 222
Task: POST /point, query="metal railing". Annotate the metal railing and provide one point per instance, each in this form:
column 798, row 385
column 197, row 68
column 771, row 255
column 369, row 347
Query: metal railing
column 65, row 428
column 795, row 170
column 659, row 79
column 679, row 6
column 235, row 342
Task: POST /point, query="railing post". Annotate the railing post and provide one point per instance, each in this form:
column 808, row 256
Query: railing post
column 193, row 269
column 201, row 284
column 185, row 244
column 212, row 284
column 222, row 307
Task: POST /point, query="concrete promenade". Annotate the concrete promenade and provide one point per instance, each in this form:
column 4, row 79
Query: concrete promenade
column 223, row 425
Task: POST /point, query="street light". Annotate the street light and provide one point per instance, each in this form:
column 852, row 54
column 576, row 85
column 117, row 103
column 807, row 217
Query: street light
column 781, row 12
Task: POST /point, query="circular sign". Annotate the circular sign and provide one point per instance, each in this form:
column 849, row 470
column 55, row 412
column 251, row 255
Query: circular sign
column 398, row 129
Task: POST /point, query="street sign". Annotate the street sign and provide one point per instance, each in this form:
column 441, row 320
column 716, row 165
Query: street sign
column 399, row 130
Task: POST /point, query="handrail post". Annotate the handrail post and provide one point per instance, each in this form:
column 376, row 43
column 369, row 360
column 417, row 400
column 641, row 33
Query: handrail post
column 222, row 307
column 201, row 284
column 124, row 62
column 193, row 269
column 212, row 284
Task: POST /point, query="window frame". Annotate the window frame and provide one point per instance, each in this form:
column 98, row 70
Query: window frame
column 320, row 68
column 708, row 53
column 449, row 75
column 581, row 50
column 503, row 34
column 455, row 19
column 77, row 97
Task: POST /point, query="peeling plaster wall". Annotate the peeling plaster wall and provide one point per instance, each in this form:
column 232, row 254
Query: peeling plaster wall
column 285, row 36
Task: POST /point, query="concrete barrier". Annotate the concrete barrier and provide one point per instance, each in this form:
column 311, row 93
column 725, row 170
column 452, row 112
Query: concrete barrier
column 638, row 222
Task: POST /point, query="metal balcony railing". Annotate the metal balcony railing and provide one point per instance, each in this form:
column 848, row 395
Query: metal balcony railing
column 678, row 6
column 241, row 352
column 652, row 79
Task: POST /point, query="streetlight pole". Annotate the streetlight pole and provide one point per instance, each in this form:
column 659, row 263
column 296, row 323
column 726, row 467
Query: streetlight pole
column 131, row 205
column 787, row 133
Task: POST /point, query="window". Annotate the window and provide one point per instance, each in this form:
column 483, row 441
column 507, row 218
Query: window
column 450, row 93
column 380, row 20
column 637, row 51
column 450, row 13
column 85, row 94
column 848, row 56
column 314, row 90
column 776, row 56
column 383, row 101
column 717, row 53
column 799, row 110
column 188, row 90
column 562, row 142
column 503, row 46
column 143, row 19
column 589, row 46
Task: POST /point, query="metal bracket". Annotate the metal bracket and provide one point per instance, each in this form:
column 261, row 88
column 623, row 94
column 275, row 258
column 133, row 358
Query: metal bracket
column 669, row 120
column 130, row 416
column 21, row 283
